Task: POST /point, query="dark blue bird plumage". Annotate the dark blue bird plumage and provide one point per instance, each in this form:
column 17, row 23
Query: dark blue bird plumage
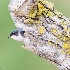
column 17, row 31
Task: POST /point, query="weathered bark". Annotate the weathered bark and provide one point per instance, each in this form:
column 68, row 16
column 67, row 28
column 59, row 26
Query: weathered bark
column 47, row 29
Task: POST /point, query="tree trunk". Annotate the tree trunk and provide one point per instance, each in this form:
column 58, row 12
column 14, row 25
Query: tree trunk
column 54, row 22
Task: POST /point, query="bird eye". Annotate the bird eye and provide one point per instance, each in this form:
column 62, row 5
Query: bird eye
column 23, row 32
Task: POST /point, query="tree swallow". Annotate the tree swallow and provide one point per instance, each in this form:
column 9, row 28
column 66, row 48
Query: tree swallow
column 17, row 34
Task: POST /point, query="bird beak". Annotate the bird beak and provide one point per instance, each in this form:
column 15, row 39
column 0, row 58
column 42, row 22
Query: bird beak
column 8, row 36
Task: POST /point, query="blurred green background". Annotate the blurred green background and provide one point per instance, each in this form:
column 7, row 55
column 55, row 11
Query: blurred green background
column 12, row 56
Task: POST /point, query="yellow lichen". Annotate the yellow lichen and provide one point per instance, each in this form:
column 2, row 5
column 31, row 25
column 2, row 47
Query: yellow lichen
column 40, row 6
column 68, row 51
column 41, row 29
column 38, row 22
column 41, row 9
column 60, row 35
column 64, row 24
column 65, row 38
column 63, row 52
column 66, row 45
column 54, row 30
column 49, row 4
column 29, row 21
column 62, row 21
column 50, row 14
column 32, row 13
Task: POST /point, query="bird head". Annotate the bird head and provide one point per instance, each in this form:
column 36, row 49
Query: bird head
column 17, row 34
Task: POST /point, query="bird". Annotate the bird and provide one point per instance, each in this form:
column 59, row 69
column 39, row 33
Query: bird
column 18, row 35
